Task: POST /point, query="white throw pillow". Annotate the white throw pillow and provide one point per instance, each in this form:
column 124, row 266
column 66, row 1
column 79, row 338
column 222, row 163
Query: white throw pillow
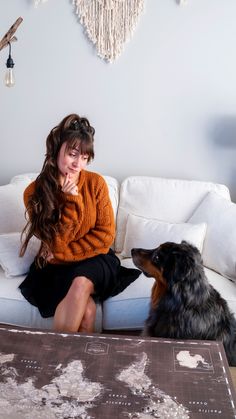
column 12, row 264
column 150, row 233
column 219, row 250
column 12, row 209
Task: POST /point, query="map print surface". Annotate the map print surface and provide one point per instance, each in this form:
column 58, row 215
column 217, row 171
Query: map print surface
column 48, row 375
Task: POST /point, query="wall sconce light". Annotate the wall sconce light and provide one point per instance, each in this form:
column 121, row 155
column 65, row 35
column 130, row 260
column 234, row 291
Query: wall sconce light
column 7, row 40
column 9, row 76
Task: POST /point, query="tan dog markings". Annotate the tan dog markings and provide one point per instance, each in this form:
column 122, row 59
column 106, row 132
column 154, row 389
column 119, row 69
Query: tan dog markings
column 160, row 285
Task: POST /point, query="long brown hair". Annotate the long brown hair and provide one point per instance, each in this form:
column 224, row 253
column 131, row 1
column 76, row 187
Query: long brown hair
column 44, row 206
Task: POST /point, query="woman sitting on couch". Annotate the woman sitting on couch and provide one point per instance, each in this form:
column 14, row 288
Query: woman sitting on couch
column 69, row 210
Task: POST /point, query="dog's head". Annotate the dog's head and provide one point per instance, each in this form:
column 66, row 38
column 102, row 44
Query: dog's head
column 169, row 264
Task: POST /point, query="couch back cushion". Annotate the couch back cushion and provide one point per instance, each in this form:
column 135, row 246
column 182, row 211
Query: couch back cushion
column 12, row 209
column 114, row 190
column 170, row 200
column 219, row 249
column 148, row 233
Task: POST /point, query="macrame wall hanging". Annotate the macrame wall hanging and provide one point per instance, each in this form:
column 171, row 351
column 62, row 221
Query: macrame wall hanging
column 109, row 24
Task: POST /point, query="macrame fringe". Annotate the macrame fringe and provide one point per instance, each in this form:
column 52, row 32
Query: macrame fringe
column 36, row 2
column 109, row 23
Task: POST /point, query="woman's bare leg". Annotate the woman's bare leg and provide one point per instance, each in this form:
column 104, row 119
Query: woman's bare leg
column 70, row 311
column 88, row 321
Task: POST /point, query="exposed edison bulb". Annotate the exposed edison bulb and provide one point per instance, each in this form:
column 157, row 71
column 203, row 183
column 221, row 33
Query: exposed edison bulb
column 9, row 78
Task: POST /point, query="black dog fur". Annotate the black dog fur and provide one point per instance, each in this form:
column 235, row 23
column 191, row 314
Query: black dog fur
column 184, row 304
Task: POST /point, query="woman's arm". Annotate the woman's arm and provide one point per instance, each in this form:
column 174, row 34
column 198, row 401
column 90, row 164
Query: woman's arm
column 68, row 245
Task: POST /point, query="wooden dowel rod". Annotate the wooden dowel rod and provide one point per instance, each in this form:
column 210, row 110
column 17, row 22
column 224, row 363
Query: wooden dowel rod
column 8, row 37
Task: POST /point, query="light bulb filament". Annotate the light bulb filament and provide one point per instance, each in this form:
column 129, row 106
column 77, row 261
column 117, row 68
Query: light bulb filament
column 9, row 76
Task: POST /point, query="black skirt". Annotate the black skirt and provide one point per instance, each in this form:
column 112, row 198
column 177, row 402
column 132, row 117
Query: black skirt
column 46, row 287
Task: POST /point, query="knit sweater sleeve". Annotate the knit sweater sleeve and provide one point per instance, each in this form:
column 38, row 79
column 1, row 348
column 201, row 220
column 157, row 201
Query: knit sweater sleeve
column 70, row 244
column 69, row 222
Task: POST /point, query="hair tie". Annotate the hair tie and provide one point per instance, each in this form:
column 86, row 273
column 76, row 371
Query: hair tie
column 76, row 125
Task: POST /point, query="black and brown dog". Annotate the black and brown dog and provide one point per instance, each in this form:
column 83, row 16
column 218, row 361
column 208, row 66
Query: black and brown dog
column 183, row 303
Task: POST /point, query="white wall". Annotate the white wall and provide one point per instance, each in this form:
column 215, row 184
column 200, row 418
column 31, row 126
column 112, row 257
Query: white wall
column 166, row 107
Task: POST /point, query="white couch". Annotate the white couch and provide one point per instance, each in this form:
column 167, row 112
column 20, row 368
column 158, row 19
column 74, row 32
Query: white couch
column 149, row 211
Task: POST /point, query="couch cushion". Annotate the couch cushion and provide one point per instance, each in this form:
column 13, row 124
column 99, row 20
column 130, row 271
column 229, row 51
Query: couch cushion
column 224, row 286
column 114, row 190
column 11, row 262
column 149, row 233
column 219, row 249
column 12, row 206
column 170, row 200
column 129, row 310
column 14, row 309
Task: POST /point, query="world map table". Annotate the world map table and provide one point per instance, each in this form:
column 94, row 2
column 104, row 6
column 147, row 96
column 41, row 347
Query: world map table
column 50, row 375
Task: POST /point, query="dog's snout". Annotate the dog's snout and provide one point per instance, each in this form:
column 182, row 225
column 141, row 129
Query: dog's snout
column 140, row 251
column 137, row 253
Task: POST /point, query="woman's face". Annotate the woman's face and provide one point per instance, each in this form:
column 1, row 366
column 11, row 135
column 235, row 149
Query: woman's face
column 71, row 162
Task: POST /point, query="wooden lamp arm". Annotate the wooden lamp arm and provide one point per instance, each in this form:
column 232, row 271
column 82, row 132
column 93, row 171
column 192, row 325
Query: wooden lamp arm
column 8, row 37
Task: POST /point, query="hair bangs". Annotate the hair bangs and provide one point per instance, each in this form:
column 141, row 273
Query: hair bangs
column 83, row 145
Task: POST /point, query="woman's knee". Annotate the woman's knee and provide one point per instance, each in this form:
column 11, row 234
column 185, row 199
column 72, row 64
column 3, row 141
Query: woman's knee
column 81, row 285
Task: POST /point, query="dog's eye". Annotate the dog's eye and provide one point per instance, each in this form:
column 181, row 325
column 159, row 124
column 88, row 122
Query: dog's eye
column 155, row 258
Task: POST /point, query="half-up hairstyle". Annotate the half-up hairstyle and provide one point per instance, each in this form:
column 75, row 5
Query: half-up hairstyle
column 44, row 206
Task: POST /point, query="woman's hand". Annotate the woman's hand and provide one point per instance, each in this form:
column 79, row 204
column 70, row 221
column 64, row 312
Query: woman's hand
column 69, row 186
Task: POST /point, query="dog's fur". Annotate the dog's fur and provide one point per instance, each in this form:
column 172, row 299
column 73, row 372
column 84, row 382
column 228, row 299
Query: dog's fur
column 183, row 303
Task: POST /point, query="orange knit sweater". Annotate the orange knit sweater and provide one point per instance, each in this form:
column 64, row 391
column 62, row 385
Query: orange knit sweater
column 87, row 226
